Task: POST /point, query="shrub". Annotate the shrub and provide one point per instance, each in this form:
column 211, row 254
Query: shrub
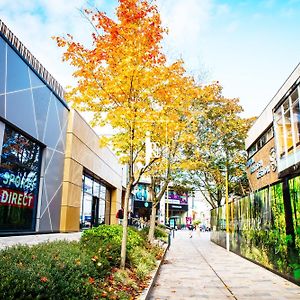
column 160, row 233
column 94, row 238
column 54, row 270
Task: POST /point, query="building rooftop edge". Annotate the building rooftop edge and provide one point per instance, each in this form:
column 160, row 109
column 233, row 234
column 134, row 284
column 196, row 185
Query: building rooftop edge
column 32, row 61
column 265, row 119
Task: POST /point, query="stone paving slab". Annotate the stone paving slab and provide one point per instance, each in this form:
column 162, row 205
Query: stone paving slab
column 196, row 268
column 9, row 241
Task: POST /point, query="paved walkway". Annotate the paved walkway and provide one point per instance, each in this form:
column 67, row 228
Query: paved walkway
column 8, row 241
column 195, row 268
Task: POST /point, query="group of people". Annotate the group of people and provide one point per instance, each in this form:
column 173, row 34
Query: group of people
column 139, row 222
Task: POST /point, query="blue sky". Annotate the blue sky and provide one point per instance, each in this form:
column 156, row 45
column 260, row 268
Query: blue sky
column 250, row 47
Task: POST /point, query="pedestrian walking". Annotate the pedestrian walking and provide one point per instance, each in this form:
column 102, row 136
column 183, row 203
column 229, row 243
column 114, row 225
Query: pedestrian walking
column 120, row 215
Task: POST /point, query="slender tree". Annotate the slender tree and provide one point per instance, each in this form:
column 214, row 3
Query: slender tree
column 220, row 148
column 117, row 78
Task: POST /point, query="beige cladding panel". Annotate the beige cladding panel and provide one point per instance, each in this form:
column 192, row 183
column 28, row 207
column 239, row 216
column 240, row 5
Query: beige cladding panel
column 88, row 137
column 73, row 172
column 91, row 161
column 71, row 195
column 69, row 219
column 116, row 198
column 261, row 162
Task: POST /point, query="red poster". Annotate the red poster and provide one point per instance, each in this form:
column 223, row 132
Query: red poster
column 15, row 198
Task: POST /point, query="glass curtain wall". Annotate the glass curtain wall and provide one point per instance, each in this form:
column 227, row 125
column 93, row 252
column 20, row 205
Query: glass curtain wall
column 95, row 203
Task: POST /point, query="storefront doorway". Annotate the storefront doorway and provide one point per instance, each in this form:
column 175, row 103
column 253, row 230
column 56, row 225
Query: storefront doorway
column 95, row 202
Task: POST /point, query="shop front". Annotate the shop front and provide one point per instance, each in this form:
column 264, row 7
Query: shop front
column 33, row 120
column 95, row 202
column 176, row 208
column 19, row 174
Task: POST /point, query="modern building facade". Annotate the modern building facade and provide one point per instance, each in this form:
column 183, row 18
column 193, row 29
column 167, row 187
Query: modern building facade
column 53, row 176
column 92, row 182
column 265, row 225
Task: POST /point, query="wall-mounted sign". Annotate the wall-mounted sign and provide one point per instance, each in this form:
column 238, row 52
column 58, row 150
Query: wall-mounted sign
column 259, row 167
column 15, row 198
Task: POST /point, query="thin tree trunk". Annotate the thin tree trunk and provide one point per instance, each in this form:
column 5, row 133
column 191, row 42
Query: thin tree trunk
column 125, row 223
column 152, row 223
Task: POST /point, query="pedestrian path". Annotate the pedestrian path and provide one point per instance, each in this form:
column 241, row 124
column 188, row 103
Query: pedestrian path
column 8, row 241
column 196, row 268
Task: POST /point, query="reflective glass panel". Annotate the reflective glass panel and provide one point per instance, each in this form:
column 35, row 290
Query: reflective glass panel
column 280, row 136
column 19, row 181
column 296, row 118
column 288, row 130
column 17, row 72
column 2, row 65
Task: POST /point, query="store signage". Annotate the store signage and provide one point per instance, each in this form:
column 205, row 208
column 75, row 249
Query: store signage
column 259, row 168
column 20, row 181
column 17, row 189
column 176, row 206
column 15, row 198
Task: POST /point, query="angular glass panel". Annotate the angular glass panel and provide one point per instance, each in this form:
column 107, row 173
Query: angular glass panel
column 41, row 99
column 19, row 111
column 2, row 65
column 17, row 72
column 53, row 174
column 35, row 80
column 2, row 106
column 54, row 209
column 62, row 112
column 52, row 131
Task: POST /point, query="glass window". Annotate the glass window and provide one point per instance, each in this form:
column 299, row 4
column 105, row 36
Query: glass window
column 252, row 150
column 88, row 185
column 2, row 65
column 280, row 136
column 288, row 130
column 19, row 181
column 17, row 72
column 296, row 119
column 94, row 204
column 294, row 96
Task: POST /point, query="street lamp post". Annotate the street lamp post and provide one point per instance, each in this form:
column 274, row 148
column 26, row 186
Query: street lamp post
column 227, row 210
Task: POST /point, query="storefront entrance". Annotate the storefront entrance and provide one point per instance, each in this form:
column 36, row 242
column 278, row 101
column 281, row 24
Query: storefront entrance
column 95, row 202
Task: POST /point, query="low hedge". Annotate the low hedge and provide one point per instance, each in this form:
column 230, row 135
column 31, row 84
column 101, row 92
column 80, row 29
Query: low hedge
column 77, row 270
column 54, row 270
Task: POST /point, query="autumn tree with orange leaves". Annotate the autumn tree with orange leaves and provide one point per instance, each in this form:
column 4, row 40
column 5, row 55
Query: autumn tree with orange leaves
column 124, row 81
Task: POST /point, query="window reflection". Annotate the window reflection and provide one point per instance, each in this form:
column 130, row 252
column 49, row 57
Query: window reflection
column 19, row 179
column 287, row 124
column 94, row 203
column 296, row 119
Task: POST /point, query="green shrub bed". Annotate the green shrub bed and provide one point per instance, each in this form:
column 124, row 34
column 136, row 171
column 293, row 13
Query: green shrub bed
column 87, row 269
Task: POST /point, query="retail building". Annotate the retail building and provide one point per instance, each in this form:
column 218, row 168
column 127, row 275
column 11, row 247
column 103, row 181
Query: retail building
column 53, row 176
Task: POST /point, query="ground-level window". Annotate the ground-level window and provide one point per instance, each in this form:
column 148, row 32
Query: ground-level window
column 19, row 181
column 95, row 202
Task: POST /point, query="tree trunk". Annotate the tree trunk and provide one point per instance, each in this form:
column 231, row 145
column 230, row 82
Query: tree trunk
column 125, row 223
column 152, row 224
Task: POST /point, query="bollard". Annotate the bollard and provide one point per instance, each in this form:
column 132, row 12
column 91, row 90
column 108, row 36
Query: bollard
column 169, row 240
column 173, row 233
